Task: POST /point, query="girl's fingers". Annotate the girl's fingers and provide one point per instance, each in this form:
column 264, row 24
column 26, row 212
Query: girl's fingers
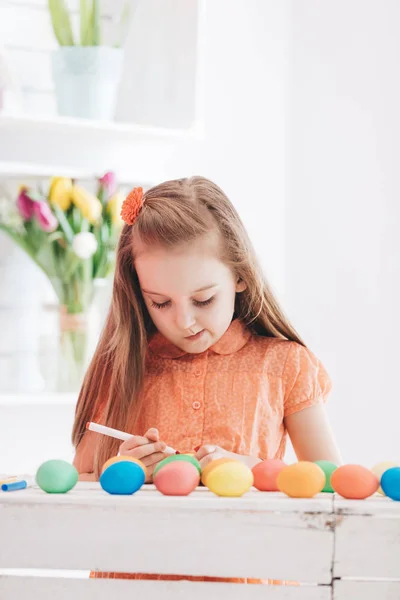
column 210, row 457
column 133, row 442
column 152, row 434
column 139, row 440
column 141, row 452
column 204, row 450
column 153, row 459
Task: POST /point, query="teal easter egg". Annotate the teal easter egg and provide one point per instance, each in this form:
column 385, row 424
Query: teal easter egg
column 390, row 483
column 122, row 478
column 56, row 476
column 328, row 468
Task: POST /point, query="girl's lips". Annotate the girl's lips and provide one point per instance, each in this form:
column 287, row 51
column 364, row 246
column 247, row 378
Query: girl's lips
column 195, row 337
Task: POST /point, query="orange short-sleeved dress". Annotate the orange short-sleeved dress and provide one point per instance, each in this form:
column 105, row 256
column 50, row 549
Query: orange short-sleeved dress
column 235, row 395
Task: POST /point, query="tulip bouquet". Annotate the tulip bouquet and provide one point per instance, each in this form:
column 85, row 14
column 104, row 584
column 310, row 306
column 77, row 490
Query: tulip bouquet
column 71, row 235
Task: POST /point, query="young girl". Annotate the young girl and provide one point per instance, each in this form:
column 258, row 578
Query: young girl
column 196, row 353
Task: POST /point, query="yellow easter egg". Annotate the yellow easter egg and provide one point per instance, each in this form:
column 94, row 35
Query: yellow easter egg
column 211, row 465
column 115, row 459
column 379, row 470
column 231, row 479
column 301, row 480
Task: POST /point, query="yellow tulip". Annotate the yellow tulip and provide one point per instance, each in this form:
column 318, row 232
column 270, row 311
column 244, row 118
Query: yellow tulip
column 88, row 204
column 60, row 192
column 114, row 206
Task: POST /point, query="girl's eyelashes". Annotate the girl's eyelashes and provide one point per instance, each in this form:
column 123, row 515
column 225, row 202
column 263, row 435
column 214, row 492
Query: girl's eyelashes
column 195, row 302
column 204, row 302
column 162, row 305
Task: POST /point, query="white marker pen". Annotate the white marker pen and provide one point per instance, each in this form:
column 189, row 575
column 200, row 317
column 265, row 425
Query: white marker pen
column 115, row 433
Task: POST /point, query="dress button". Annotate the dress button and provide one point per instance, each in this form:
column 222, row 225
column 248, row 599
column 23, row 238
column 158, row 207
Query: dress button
column 196, row 405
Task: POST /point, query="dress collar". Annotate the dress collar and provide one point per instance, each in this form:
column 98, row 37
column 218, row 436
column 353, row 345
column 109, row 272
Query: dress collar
column 233, row 340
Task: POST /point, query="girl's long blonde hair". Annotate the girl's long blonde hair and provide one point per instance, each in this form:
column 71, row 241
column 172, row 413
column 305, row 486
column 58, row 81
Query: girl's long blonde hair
column 175, row 212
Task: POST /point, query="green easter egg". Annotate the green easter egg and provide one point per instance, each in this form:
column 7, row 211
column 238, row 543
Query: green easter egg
column 328, row 468
column 186, row 457
column 56, row 476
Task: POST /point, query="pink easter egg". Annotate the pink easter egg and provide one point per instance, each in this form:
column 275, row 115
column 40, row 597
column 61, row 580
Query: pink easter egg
column 178, row 478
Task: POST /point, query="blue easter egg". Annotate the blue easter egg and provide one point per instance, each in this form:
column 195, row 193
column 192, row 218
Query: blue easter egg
column 122, row 478
column 390, row 483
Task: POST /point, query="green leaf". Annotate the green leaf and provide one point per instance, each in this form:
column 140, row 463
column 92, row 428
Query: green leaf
column 64, row 224
column 61, row 22
column 96, row 35
column 71, row 264
column 123, row 25
column 86, row 7
column 76, row 219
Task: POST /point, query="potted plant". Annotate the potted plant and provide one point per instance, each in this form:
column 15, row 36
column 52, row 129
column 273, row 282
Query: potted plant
column 86, row 70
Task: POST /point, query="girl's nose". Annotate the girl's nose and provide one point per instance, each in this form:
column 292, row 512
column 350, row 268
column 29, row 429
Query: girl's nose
column 184, row 319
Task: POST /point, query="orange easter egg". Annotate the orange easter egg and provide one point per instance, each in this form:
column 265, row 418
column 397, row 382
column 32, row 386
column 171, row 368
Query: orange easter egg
column 301, row 480
column 178, row 478
column 211, row 465
column 115, row 459
column 265, row 474
column 354, row 482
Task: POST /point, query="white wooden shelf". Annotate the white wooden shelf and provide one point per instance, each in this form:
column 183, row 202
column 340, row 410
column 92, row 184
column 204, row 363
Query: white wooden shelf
column 40, row 147
column 15, row 170
column 18, row 170
column 111, row 130
column 38, row 399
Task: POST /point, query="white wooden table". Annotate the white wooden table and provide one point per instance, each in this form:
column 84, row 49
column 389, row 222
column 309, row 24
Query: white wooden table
column 336, row 548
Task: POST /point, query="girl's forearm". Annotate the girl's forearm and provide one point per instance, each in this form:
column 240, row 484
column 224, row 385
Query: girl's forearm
column 87, row 477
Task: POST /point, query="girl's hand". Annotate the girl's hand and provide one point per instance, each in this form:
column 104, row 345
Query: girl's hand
column 146, row 448
column 209, row 452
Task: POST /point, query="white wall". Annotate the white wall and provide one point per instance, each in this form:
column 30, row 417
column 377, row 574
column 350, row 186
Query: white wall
column 343, row 211
column 246, row 54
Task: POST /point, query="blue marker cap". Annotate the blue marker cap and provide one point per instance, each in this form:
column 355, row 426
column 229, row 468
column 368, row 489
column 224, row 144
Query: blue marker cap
column 15, row 485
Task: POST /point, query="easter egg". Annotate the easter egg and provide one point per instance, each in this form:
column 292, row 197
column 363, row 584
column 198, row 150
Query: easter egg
column 390, row 483
column 115, row 459
column 265, row 474
column 56, row 476
column 230, row 478
column 379, row 470
column 211, row 465
column 354, row 482
column 122, row 478
column 328, row 468
column 178, row 457
column 301, row 480
column 177, row 478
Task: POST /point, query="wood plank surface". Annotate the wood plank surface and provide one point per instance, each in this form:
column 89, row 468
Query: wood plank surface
column 260, row 535
column 367, row 538
column 366, row 590
column 31, row 588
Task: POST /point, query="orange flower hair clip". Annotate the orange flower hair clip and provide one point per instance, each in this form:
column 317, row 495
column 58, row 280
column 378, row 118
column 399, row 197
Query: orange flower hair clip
column 132, row 206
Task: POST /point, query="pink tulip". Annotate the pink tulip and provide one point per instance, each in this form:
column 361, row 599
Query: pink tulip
column 25, row 205
column 109, row 182
column 45, row 217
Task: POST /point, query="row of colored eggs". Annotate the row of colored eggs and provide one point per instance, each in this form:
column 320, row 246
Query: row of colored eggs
column 180, row 474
